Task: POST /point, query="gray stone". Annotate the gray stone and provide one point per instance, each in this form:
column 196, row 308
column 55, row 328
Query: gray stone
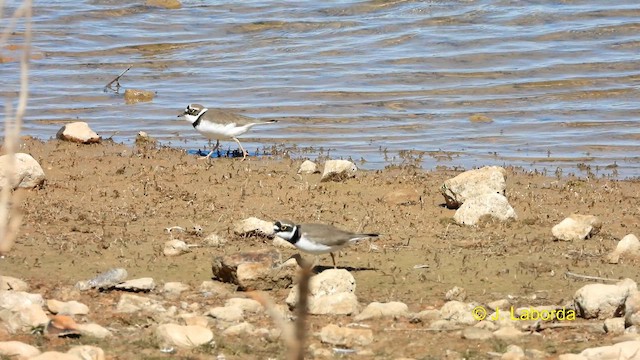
column 632, row 309
column 491, row 204
column 215, row 288
column 87, row 352
column 226, row 313
column 246, row 305
column 130, row 303
column 104, row 280
column 27, row 172
column 239, row 329
column 457, row 293
column 623, row 350
column 214, row 240
column 473, row 183
column 576, row 227
column 175, row 247
column 79, row 132
column 174, row 288
column 458, row 312
column 338, row 170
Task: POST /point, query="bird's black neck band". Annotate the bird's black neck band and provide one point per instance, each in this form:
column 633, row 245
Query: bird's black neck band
column 296, row 235
column 197, row 122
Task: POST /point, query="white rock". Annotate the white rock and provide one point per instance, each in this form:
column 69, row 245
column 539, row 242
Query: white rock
column 282, row 243
column 473, row 183
column 457, row 293
column 226, row 313
column 508, row 333
column 67, row 308
column 27, row 172
column 603, row 301
column 428, row 315
column 330, row 292
column 614, row 326
column 632, row 309
column 141, row 284
column 16, row 300
column 87, row 352
column 183, row 336
column 11, row 283
column 55, row 355
column 628, row 245
column 623, row 350
column 376, row 310
column 21, row 311
column 338, row 170
column 214, row 240
column 491, row 204
column 576, row 227
column 475, row 333
column 239, row 329
column 308, row 167
column 94, row 330
column 174, row 288
column 17, row 349
column 458, row 312
column 253, row 225
column 130, row 303
column 175, row 247
column 213, row 288
column 246, row 305
column 343, row 336
column 78, row 132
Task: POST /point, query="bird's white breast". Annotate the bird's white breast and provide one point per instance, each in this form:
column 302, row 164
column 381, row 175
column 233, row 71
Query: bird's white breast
column 217, row 131
column 315, row 248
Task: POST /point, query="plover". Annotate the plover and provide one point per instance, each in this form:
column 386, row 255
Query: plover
column 217, row 124
column 317, row 239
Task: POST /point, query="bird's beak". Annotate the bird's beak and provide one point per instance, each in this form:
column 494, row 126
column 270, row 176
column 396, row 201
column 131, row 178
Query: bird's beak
column 181, row 114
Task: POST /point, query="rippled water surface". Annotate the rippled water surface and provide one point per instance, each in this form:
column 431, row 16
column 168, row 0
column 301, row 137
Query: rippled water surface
column 359, row 79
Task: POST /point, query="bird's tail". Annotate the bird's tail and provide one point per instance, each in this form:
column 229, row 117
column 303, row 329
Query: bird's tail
column 359, row 237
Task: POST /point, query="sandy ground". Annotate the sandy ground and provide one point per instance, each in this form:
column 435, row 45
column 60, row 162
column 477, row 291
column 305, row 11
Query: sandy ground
column 108, row 205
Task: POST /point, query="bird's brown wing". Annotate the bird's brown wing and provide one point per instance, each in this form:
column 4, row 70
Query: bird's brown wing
column 328, row 234
column 226, row 117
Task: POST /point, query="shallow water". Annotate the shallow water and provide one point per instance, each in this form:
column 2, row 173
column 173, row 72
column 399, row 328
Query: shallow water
column 359, row 79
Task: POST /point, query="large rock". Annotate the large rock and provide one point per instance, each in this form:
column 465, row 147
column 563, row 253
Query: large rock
column 344, row 336
column 576, row 227
column 632, row 309
column 11, row 283
column 252, row 226
column 87, row 352
column 67, row 308
column 473, row 183
column 17, row 350
column 21, row 311
column 490, row 204
column 130, row 303
column 104, row 280
column 188, row 336
column 338, row 170
column 627, row 246
column 79, row 132
column 308, row 167
column 393, row 309
column 622, row 350
column 27, row 172
column 458, row 312
column 330, row 292
column 603, row 301
column 254, row 270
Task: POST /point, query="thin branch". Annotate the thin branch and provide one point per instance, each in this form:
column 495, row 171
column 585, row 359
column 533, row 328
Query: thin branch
column 588, row 277
column 116, row 80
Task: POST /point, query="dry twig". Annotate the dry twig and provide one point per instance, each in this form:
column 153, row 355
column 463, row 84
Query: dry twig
column 588, row 277
column 116, row 80
column 10, row 218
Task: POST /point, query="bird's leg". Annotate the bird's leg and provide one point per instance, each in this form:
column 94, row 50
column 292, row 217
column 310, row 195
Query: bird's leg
column 244, row 153
column 212, row 150
column 333, row 257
